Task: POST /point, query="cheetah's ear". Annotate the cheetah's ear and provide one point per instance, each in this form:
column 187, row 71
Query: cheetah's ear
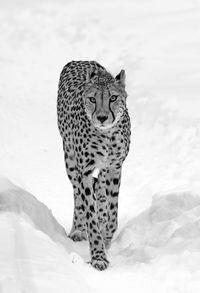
column 120, row 78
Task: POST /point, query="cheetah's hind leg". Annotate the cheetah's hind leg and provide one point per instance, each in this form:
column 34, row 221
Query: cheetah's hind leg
column 78, row 230
column 79, row 235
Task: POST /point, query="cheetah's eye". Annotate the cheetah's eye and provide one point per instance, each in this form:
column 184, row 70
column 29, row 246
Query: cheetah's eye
column 113, row 98
column 92, row 99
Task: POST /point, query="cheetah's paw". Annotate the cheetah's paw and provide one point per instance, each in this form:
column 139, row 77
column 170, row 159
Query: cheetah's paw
column 78, row 235
column 100, row 263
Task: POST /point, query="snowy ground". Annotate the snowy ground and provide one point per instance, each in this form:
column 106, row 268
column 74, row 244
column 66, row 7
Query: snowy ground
column 157, row 245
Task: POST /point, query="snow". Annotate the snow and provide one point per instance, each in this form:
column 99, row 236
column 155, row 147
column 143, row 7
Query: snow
column 14, row 199
column 157, row 246
column 34, row 250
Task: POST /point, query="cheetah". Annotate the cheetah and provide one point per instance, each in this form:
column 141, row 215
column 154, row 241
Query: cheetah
column 94, row 124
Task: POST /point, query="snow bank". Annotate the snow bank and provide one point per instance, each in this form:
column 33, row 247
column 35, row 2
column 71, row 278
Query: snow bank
column 30, row 261
column 156, row 251
column 171, row 225
column 15, row 199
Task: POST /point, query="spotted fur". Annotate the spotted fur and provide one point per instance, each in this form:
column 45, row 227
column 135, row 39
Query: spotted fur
column 95, row 128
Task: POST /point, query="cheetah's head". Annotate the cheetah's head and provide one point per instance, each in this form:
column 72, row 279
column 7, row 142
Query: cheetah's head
column 105, row 98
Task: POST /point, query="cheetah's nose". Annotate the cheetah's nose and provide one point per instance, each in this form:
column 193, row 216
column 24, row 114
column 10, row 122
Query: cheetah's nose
column 102, row 118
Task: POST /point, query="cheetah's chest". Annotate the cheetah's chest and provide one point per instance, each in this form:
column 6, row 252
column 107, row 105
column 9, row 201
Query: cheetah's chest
column 110, row 152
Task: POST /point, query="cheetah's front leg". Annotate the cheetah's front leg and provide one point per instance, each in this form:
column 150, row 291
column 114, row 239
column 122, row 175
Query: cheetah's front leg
column 102, row 203
column 97, row 249
column 112, row 189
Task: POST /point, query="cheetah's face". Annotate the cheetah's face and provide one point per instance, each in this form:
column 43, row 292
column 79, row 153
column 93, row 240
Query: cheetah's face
column 104, row 105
